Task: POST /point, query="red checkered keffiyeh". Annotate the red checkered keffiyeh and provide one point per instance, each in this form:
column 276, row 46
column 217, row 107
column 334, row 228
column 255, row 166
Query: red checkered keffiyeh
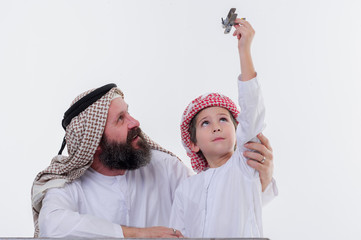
column 198, row 162
column 83, row 136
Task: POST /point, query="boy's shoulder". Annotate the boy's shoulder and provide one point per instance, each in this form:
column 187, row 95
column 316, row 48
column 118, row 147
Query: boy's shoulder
column 190, row 189
column 193, row 183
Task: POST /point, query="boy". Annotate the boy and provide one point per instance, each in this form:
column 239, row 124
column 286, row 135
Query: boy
column 225, row 198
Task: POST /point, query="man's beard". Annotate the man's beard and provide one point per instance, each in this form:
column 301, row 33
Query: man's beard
column 123, row 155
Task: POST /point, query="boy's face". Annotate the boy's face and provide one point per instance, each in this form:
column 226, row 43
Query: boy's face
column 215, row 133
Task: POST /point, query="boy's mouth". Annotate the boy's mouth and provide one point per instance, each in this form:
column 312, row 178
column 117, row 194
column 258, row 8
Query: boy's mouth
column 217, row 139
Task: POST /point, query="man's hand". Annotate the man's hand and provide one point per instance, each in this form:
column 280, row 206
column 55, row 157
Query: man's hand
column 264, row 151
column 151, row 232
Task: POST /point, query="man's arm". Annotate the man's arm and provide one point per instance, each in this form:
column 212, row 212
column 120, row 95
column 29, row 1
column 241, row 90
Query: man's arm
column 151, row 232
column 59, row 217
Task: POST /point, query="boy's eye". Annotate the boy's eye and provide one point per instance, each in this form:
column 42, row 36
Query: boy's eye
column 223, row 119
column 204, row 123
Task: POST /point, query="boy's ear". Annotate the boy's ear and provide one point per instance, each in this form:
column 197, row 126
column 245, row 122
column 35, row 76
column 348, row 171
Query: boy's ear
column 194, row 147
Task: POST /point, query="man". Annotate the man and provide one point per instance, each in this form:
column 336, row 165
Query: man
column 116, row 182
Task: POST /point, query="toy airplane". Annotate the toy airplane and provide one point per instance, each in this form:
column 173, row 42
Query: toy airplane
column 229, row 22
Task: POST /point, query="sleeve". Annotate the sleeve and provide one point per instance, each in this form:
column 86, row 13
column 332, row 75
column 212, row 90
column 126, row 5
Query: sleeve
column 250, row 120
column 177, row 212
column 59, row 217
column 269, row 193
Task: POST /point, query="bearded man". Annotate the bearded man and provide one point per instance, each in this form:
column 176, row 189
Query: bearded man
column 115, row 181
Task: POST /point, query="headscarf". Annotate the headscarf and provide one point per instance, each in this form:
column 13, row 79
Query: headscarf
column 198, row 162
column 83, row 135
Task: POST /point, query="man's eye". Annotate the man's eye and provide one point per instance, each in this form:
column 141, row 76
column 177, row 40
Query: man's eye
column 121, row 117
column 223, row 120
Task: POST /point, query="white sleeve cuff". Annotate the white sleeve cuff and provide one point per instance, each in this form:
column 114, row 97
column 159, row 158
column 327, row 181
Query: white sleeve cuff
column 270, row 192
column 240, row 77
column 118, row 231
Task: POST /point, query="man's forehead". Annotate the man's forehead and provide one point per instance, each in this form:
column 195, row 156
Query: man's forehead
column 117, row 95
column 117, row 105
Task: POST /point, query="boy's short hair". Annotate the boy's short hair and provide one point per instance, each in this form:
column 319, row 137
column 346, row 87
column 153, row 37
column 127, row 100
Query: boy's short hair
column 198, row 162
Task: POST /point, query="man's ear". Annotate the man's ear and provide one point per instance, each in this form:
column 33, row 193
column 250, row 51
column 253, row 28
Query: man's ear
column 194, row 147
column 99, row 149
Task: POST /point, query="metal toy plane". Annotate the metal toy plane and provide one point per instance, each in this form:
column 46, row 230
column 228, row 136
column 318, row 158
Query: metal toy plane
column 229, row 21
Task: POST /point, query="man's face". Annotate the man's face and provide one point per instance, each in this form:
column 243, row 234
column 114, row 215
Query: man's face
column 119, row 122
column 123, row 146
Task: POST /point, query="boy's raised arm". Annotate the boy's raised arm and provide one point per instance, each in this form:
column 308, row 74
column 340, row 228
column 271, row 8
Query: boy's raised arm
column 245, row 34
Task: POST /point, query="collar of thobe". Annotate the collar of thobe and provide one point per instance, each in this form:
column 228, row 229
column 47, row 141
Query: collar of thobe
column 108, row 180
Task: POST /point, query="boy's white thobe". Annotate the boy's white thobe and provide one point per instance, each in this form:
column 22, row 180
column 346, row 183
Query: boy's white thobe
column 226, row 202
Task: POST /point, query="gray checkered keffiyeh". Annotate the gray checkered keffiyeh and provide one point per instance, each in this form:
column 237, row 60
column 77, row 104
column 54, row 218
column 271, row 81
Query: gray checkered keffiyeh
column 83, row 136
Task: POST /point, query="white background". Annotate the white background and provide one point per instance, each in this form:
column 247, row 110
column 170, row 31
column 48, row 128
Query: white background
column 163, row 54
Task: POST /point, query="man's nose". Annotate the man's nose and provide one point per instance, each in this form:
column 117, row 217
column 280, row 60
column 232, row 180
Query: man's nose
column 132, row 122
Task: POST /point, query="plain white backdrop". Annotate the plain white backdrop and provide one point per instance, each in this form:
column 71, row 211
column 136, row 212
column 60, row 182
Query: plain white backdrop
column 164, row 53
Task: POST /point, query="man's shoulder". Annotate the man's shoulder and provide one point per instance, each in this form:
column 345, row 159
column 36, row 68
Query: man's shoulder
column 69, row 188
column 167, row 163
column 162, row 157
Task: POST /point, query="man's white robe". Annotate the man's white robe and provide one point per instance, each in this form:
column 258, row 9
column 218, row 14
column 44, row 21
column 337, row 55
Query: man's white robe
column 96, row 205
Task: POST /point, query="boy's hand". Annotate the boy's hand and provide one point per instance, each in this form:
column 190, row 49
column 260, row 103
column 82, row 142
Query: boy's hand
column 245, row 33
column 264, row 151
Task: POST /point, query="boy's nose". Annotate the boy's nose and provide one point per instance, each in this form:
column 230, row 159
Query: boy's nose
column 216, row 130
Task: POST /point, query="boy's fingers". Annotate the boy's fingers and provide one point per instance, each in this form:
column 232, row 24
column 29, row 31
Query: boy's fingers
column 246, row 24
column 240, row 30
column 240, row 20
column 237, row 29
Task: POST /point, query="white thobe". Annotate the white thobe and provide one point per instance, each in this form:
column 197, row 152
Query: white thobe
column 226, row 202
column 96, row 205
